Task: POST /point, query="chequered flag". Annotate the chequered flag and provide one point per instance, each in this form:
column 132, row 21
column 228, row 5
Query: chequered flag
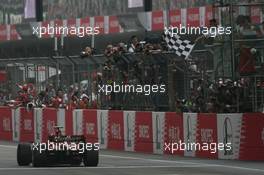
column 182, row 48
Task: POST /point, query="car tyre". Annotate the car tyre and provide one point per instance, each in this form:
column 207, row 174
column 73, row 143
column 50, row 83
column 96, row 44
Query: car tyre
column 91, row 158
column 24, row 154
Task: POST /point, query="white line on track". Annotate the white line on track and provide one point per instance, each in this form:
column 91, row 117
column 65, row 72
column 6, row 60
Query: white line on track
column 8, row 146
column 153, row 160
column 103, row 167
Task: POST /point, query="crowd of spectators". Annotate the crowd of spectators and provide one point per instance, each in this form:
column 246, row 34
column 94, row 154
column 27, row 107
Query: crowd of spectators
column 222, row 96
column 138, row 66
column 245, row 28
column 73, row 97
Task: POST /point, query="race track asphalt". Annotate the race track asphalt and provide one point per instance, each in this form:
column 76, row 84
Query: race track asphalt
column 127, row 163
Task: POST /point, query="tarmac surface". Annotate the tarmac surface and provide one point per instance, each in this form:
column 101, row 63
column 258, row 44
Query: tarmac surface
column 128, row 163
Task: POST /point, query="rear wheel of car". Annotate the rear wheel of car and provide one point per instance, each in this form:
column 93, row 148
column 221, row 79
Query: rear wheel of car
column 91, row 158
column 38, row 159
column 24, row 154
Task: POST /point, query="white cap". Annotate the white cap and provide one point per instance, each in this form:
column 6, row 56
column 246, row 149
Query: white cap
column 84, row 96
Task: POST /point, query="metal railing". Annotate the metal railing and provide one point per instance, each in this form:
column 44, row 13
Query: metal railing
column 157, row 68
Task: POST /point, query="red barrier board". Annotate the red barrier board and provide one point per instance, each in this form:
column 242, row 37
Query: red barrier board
column 173, row 131
column 193, row 18
column 244, row 131
column 256, row 14
column 57, row 24
column 44, row 28
column 99, row 22
column 143, row 135
column 90, row 128
column 6, row 124
column 85, row 22
column 116, row 130
column 175, row 17
column 69, row 121
column 113, row 24
column 13, row 33
column 3, row 33
column 26, row 125
column 157, row 20
column 208, row 15
column 207, row 134
column 71, row 23
column 3, row 76
column 252, row 137
column 49, row 120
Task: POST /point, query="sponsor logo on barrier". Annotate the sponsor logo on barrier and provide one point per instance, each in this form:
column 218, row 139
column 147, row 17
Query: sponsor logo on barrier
column 158, row 20
column 116, row 131
column 144, row 131
column 174, row 134
column 90, row 128
column 207, row 135
column 50, row 126
column 262, row 135
column 228, row 136
column 6, row 124
column 28, row 125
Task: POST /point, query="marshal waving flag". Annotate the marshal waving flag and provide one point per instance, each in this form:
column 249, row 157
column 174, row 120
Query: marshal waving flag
column 182, row 47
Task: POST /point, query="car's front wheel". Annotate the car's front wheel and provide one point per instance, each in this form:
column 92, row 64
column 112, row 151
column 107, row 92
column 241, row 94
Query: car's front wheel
column 91, row 158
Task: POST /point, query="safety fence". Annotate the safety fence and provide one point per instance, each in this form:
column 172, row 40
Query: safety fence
column 87, row 74
column 148, row 132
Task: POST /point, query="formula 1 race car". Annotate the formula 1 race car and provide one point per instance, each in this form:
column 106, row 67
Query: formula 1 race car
column 59, row 149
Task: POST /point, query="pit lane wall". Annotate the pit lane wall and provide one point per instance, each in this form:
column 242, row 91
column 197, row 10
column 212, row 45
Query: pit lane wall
column 147, row 132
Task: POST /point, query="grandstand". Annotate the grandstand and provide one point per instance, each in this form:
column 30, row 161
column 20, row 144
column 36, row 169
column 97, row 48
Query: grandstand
column 221, row 66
